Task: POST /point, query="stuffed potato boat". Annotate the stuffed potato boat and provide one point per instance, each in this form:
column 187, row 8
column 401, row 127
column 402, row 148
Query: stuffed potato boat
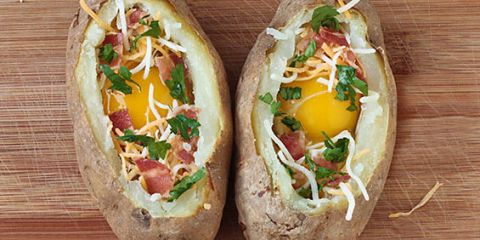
column 149, row 99
column 316, row 115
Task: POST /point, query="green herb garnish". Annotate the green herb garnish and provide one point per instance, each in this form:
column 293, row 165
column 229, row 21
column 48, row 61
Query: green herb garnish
column 186, row 127
column 309, row 52
column 159, row 149
column 336, row 151
column 325, row 17
column 320, row 172
column 107, row 53
column 292, row 123
column 274, row 105
column 156, row 150
column 119, row 81
column 291, row 93
column 177, row 86
column 185, row 184
column 347, row 80
column 154, row 32
column 305, row 192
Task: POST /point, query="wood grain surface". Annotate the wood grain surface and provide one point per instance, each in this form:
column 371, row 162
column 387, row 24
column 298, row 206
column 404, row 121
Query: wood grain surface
column 434, row 47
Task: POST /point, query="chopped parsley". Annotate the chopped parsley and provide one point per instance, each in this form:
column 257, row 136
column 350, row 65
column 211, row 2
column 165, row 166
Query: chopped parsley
column 154, row 31
column 305, row 192
column 177, row 86
column 156, row 150
column 292, row 123
column 274, row 105
column 291, row 93
column 309, row 52
column 347, row 80
column 325, row 17
column 186, row 127
column 185, row 184
column 107, row 53
column 335, row 152
column 119, row 80
column 320, row 172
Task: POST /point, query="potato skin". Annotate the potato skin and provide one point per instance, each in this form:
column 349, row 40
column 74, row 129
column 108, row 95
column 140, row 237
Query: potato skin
column 127, row 221
column 262, row 212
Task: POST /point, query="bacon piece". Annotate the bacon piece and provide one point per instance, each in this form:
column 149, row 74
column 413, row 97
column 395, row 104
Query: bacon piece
column 188, row 110
column 324, row 36
column 156, row 175
column 330, row 37
column 322, row 162
column 338, row 180
column 121, row 119
column 135, row 17
column 165, row 66
column 185, row 156
column 182, row 152
column 117, row 43
column 295, row 143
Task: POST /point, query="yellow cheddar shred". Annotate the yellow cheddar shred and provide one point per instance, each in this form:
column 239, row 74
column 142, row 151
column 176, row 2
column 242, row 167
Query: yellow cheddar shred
column 95, row 17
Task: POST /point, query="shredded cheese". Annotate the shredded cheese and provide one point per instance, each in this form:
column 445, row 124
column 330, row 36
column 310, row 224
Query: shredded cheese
column 347, row 13
column 151, row 103
column 351, row 201
column 277, row 34
column 333, row 72
column 348, row 6
column 123, row 23
column 95, row 17
column 288, row 160
column 422, row 203
column 348, row 164
column 364, row 50
column 175, row 47
column 148, row 58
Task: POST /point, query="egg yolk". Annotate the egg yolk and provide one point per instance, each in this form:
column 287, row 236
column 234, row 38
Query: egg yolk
column 137, row 102
column 320, row 113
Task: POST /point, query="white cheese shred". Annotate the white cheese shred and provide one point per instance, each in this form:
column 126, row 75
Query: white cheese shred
column 422, row 203
column 151, row 102
column 173, row 46
column 334, row 70
column 348, row 164
column 351, row 200
column 348, row 6
column 364, row 50
column 283, row 79
column 276, row 34
column 287, row 159
column 148, row 58
column 123, row 23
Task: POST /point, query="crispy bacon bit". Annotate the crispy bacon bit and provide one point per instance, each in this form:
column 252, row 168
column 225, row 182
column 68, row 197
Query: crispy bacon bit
column 165, row 66
column 114, row 39
column 295, row 143
column 121, row 119
column 135, row 17
column 188, row 110
column 117, row 43
column 330, row 37
column 320, row 161
column 185, row 154
column 338, row 180
column 156, row 175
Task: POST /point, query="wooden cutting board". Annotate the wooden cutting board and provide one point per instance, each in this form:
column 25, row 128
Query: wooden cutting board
column 434, row 47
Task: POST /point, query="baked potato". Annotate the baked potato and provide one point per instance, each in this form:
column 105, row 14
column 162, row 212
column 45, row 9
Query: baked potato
column 150, row 104
column 316, row 122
